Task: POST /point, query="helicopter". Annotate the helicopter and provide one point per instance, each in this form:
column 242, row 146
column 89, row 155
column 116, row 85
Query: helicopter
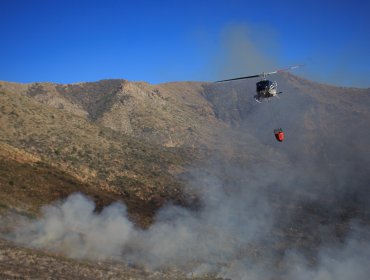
column 265, row 88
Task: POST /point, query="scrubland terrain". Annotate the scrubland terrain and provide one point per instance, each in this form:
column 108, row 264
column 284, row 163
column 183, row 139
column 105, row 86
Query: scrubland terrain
column 204, row 189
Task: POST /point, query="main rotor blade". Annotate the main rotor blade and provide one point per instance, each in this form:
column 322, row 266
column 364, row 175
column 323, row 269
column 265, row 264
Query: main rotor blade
column 240, row 78
column 285, row 69
column 263, row 74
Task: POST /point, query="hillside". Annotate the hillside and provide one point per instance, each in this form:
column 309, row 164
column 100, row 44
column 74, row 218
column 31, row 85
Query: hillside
column 89, row 155
column 196, row 163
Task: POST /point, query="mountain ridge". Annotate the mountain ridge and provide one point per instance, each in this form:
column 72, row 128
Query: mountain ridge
column 205, row 150
column 201, row 118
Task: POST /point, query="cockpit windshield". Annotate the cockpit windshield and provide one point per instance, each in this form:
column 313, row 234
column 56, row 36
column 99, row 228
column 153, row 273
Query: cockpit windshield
column 263, row 85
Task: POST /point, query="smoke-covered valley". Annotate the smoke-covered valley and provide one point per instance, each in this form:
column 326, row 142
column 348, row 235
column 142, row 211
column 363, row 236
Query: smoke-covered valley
column 250, row 207
column 248, row 226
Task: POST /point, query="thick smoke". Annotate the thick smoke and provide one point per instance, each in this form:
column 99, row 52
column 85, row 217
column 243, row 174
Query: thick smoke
column 72, row 227
column 235, row 234
column 230, row 217
column 349, row 261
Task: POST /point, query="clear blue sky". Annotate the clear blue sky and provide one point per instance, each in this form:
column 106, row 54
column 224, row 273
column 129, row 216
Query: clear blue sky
column 159, row 41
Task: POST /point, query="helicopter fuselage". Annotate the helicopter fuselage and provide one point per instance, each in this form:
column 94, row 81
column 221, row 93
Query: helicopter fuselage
column 265, row 89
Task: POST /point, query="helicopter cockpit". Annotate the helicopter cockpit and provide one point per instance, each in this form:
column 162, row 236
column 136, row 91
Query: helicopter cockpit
column 265, row 89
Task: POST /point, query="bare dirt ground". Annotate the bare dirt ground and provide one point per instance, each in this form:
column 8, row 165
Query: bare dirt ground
column 23, row 263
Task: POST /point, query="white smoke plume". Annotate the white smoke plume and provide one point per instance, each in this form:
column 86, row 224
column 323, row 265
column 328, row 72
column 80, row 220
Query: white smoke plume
column 72, row 227
column 234, row 234
column 211, row 235
column 347, row 262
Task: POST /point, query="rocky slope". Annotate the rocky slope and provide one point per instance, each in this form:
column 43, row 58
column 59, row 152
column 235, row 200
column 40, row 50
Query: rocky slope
column 170, row 144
